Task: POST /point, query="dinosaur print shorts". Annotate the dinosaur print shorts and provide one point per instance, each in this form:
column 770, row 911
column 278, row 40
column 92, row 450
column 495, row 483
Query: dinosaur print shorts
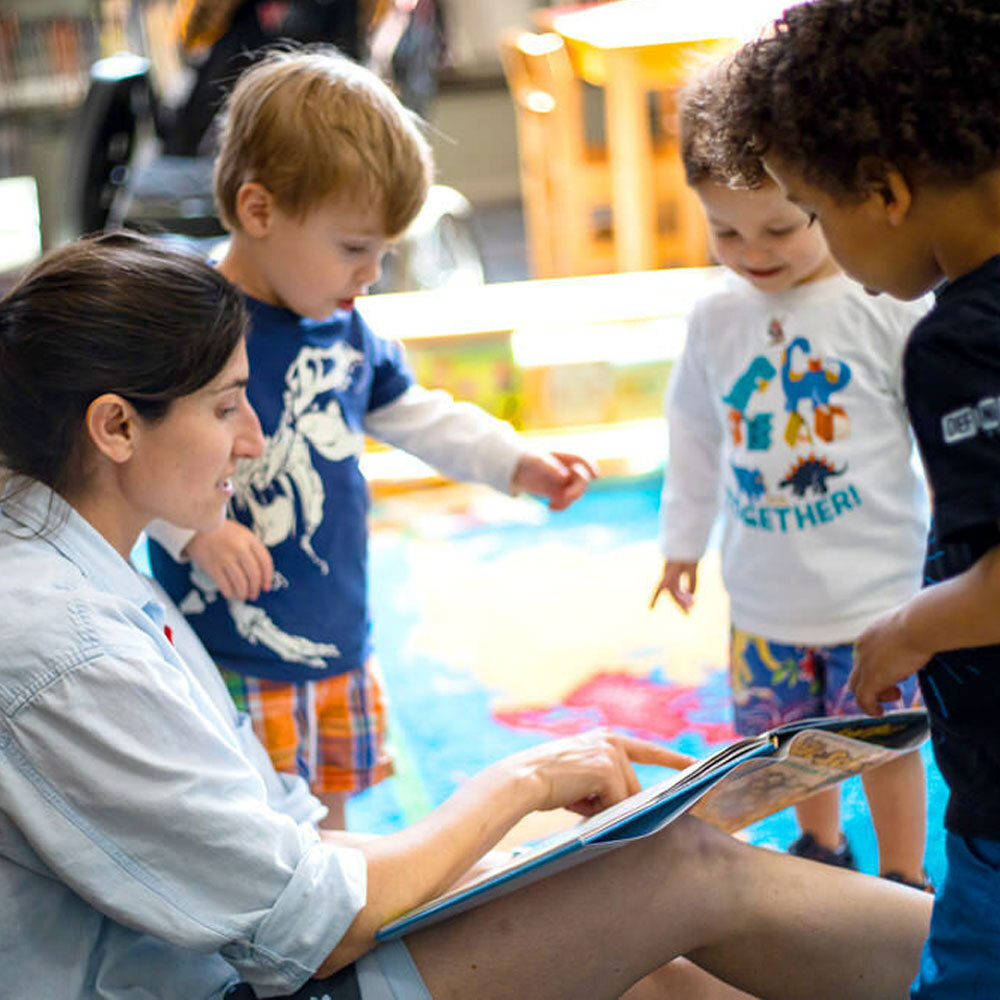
column 775, row 682
column 332, row 731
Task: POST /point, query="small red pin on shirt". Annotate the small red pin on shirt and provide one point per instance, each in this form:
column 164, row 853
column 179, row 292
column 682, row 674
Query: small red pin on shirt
column 169, row 633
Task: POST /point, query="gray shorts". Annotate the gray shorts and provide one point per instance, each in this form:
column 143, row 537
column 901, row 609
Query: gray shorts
column 389, row 973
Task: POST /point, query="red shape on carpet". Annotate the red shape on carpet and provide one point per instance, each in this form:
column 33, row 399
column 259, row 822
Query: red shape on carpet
column 644, row 707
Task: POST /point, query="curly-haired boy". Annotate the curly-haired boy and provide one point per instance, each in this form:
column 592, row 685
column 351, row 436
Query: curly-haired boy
column 881, row 118
column 786, row 408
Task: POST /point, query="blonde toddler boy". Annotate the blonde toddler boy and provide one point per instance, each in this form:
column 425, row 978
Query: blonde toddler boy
column 320, row 168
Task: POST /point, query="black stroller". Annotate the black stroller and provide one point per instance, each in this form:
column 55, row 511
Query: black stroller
column 142, row 164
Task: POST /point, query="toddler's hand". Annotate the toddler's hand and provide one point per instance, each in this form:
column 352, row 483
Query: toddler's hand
column 679, row 580
column 235, row 559
column 559, row 477
column 883, row 656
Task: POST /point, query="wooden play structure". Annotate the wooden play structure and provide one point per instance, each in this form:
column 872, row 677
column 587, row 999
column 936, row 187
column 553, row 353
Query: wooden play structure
column 566, row 181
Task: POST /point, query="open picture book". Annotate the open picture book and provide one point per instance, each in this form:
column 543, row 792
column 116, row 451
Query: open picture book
column 730, row 788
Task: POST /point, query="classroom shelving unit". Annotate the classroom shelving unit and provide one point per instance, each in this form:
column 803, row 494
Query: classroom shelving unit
column 46, row 50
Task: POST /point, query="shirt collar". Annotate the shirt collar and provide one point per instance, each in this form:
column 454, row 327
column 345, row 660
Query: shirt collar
column 986, row 273
column 43, row 512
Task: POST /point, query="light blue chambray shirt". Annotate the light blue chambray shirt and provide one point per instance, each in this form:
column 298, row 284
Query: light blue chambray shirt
column 147, row 847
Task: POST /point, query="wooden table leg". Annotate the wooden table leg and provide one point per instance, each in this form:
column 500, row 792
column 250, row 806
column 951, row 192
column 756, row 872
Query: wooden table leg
column 630, row 149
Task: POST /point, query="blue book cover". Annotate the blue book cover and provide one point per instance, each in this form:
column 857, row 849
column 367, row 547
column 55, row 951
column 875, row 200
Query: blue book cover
column 731, row 788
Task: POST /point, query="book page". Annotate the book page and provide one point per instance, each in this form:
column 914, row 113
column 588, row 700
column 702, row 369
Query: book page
column 809, row 761
column 731, row 788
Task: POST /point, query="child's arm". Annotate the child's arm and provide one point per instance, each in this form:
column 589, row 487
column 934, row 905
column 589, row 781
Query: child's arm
column 170, row 537
column 559, row 476
column 689, row 500
column 679, row 580
column 235, row 558
column 957, row 614
column 464, row 442
column 232, row 556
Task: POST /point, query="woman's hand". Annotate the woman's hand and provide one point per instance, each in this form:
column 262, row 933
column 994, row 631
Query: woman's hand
column 589, row 772
column 585, row 773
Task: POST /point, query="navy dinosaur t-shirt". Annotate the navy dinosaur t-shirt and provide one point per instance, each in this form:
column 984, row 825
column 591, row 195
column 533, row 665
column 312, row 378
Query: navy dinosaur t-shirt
column 311, row 383
column 951, row 372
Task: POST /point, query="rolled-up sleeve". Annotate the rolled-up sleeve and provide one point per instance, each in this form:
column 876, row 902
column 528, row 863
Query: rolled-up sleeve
column 305, row 922
column 134, row 789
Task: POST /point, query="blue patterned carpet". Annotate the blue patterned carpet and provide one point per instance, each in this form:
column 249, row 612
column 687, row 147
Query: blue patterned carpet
column 499, row 625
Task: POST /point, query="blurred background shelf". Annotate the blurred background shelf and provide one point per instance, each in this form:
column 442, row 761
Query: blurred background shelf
column 47, row 48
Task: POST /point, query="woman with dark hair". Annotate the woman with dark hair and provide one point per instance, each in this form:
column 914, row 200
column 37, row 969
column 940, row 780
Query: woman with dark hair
column 147, row 846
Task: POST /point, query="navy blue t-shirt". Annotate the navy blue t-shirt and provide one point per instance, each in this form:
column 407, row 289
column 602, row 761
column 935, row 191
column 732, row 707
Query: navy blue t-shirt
column 951, row 373
column 311, row 383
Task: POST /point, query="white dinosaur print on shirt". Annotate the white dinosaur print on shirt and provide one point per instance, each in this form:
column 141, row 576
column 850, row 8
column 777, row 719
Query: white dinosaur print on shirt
column 269, row 486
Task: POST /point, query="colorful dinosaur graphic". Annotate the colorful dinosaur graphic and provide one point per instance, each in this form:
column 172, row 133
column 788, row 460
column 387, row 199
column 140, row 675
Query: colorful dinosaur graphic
column 749, row 481
column 759, row 373
column 810, row 473
column 815, row 385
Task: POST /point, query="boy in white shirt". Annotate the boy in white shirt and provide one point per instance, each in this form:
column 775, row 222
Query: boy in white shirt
column 787, row 407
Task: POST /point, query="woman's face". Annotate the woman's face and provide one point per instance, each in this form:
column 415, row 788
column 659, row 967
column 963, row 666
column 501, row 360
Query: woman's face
column 182, row 466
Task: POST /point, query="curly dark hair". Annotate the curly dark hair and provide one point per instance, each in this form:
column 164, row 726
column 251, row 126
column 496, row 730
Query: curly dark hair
column 841, row 85
column 704, row 155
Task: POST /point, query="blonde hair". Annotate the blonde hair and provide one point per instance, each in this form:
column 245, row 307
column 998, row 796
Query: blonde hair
column 311, row 125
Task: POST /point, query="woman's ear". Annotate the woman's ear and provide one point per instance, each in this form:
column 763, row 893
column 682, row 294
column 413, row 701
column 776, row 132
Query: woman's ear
column 254, row 208
column 112, row 427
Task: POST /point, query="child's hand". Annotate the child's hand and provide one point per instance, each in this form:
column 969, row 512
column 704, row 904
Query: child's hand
column 679, row 580
column 883, row 656
column 559, row 477
column 235, row 559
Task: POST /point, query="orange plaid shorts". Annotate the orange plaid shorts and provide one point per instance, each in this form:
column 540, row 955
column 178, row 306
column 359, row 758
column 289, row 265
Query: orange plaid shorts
column 331, row 731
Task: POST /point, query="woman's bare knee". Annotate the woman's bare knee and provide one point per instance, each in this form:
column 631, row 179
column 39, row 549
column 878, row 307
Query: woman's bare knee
column 683, row 980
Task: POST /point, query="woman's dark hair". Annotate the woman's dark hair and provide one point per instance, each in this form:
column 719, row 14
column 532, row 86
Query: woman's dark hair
column 841, row 86
column 117, row 313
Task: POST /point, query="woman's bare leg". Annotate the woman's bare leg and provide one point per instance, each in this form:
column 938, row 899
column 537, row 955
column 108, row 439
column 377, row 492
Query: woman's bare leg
column 685, row 981
column 779, row 927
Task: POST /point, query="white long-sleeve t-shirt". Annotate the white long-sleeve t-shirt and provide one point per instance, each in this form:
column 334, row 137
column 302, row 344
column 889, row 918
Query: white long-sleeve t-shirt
column 786, row 410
